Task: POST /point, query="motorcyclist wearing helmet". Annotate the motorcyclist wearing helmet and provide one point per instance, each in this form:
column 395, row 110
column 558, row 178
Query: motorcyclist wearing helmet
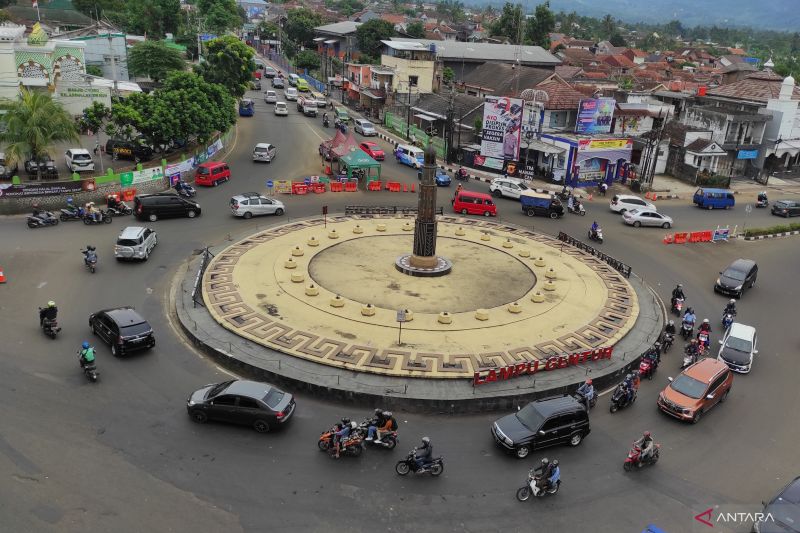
column 670, row 328
column 586, row 392
column 645, row 443
column 762, row 197
column 545, row 471
column 594, row 228
column 377, row 420
column 424, row 454
column 86, row 354
column 730, row 309
column 49, row 313
column 677, row 293
column 689, row 317
column 692, row 350
column 555, row 474
column 705, row 327
column 387, row 425
column 341, row 434
column 89, row 254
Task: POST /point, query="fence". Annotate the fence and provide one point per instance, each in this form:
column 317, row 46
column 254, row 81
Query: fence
column 399, row 125
column 623, row 269
column 384, row 210
column 197, row 296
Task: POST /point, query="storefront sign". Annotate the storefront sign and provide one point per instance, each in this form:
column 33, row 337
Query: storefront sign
column 532, row 367
column 604, row 144
column 41, row 189
column 747, row 154
column 82, row 92
column 595, row 115
column 502, row 127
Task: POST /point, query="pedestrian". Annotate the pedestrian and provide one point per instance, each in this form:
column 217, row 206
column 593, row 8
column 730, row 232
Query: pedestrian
column 458, row 189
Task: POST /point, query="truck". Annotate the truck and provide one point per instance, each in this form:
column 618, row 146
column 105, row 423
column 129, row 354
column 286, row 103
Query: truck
column 545, row 204
column 307, row 106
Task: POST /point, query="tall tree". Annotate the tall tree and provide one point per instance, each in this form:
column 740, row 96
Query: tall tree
column 229, row 62
column 608, row 26
column 618, row 40
column 416, row 29
column 95, row 8
column 219, row 15
column 300, row 24
column 795, row 45
column 34, row 124
column 154, row 59
column 307, row 59
column 153, row 17
column 568, row 22
column 509, row 23
column 540, row 25
column 370, row 34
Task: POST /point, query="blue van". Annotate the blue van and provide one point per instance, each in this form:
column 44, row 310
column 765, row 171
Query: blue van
column 714, row 198
column 410, row 155
column 246, row 108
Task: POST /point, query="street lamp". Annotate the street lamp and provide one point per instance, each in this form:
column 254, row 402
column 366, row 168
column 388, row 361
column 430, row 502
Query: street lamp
column 88, row 79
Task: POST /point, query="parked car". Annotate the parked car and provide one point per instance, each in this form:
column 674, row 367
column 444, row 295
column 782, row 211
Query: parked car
column 786, row 208
column 45, row 166
column 326, row 152
column 123, row 329
column 134, row 150
column 135, row 242
column 281, row 109
column 784, row 510
column 278, row 83
column 290, row 94
column 252, row 204
column 212, row 173
column 365, row 127
column 739, row 345
column 622, row 202
column 373, row 150
column 270, row 97
column 78, row 160
column 646, row 217
column 696, row 390
column 508, row 187
column 269, row 72
column 164, row 205
column 542, row 423
column 248, row 403
column 441, row 178
column 738, row 277
column 264, row 152
column 7, row 171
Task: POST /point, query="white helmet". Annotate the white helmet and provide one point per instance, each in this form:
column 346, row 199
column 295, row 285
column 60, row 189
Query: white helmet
column 353, row 424
column 733, row 300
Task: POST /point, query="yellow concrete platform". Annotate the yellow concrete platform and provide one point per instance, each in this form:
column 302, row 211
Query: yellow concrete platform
column 536, row 298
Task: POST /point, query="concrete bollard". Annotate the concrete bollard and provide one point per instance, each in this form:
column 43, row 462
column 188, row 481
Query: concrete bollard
column 549, row 285
column 482, row 314
column 551, row 273
column 514, row 307
column 333, row 234
column 358, row 230
column 445, row 318
column 312, row 290
column 408, row 227
column 297, row 251
column 289, row 263
column 508, row 244
column 486, row 237
column 298, row 277
column 460, row 231
column 539, row 262
column 368, row 310
column 337, row 301
column 381, row 227
column 313, row 241
column 537, row 297
column 524, row 253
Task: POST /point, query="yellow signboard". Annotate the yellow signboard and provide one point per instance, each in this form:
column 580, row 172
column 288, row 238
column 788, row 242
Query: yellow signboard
column 283, row 186
column 605, row 144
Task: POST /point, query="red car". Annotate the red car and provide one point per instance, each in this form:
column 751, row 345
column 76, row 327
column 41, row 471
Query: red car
column 372, row 150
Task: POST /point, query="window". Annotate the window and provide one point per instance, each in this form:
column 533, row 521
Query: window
column 717, row 382
column 247, row 403
column 413, row 81
column 558, row 119
column 225, row 400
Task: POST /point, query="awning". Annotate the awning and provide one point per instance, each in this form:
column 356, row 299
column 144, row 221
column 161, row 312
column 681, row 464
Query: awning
column 792, row 146
column 426, row 118
column 541, row 146
column 369, row 94
column 318, row 39
column 332, row 41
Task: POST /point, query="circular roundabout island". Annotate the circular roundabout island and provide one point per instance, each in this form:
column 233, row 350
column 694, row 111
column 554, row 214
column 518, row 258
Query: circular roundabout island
column 329, row 299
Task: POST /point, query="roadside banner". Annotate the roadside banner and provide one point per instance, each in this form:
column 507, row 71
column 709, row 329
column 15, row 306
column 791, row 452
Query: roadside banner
column 502, row 127
column 721, row 235
column 42, row 189
column 213, row 148
column 147, row 174
column 283, row 186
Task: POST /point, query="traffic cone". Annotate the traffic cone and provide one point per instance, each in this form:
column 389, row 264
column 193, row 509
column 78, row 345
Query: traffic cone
column 590, row 197
column 2, row 276
column 413, row 187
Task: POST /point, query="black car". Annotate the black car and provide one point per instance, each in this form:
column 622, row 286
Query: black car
column 164, row 205
column 737, row 278
column 123, row 329
column 7, row 171
column 278, row 83
column 786, row 208
column 45, row 166
column 548, row 422
column 130, row 150
column 249, row 403
column 782, row 513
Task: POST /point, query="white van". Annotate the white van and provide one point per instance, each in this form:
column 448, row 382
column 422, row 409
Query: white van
column 410, row 155
column 290, row 94
column 293, row 79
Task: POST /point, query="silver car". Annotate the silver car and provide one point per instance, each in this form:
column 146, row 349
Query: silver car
column 252, row 204
column 264, row 152
column 646, row 217
column 270, row 97
column 365, row 128
column 135, row 242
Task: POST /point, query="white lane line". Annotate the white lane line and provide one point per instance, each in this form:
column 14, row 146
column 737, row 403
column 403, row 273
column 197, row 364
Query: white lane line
column 42, row 284
column 226, row 372
column 321, row 138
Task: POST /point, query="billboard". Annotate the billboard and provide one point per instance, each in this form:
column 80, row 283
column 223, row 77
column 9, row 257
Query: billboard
column 595, row 115
column 502, row 127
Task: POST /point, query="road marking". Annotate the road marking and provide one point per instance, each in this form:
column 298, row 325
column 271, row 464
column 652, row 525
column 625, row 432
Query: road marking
column 42, row 284
column 225, row 371
column 321, row 138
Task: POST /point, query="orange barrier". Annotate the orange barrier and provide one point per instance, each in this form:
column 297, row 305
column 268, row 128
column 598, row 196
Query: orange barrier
column 654, row 197
column 374, row 186
column 405, row 187
column 318, row 188
column 393, row 186
column 680, row 238
column 351, row 186
column 2, row 276
column 669, row 239
column 328, row 170
column 413, row 185
column 128, row 195
column 337, row 186
column 299, row 188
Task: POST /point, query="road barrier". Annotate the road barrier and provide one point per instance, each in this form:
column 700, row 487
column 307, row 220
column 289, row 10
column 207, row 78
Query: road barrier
column 717, row 235
column 384, row 210
column 621, row 267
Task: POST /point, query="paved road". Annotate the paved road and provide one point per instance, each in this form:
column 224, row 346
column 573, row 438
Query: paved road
column 122, row 455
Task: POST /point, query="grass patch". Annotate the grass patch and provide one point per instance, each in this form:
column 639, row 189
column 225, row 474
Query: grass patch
column 781, row 228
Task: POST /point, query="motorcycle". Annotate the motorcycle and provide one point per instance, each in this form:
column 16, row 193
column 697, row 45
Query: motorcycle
column 388, row 439
column 619, row 399
column 462, row 175
column 762, row 201
column 582, row 399
column 71, row 213
column 409, row 464
column 687, row 330
column 531, row 487
column 667, row 343
column 677, row 306
column 648, row 366
column 596, row 235
column 44, row 218
column 89, row 369
column 689, row 359
column 90, row 258
column 120, row 209
column 634, row 457
column 727, row 320
column 351, row 445
column 326, row 122
column 105, row 218
column 185, row 190
column 577, row 209
column 702, row 340
column 50, row 327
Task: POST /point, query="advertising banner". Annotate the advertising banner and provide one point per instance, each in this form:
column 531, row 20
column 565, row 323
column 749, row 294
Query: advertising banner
column 40, row 189
column 604, row 144
column 502, row 128
column 179, row 168
column 147, row 174
column 595, row 115
column 747, row 154
column 214, row 148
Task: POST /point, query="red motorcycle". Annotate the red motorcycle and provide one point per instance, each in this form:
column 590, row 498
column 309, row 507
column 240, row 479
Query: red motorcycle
column 647, row 367
column 352, row 445
column 634, row 457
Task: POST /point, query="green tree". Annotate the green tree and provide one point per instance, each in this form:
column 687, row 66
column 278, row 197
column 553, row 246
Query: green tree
column 95, row 8
column 34, row 123
column 268, row 29
column 416, row 29
column 153, row 17
column 229, row 62
column 608, row 26
column 452, row 10
column 95, row 117
column 307, row 59
column 94, row 70
column 568, row 22
column 370, row 34
column 219, row 15
column 618, row 40
column 509, row 23
column 448, row 75
column 300, row 24
column 154, row 59
column 540, row 25
column 794, row 47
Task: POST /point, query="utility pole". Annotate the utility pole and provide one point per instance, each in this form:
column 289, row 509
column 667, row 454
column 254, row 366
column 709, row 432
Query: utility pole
column 113, row 62
column 448, row 143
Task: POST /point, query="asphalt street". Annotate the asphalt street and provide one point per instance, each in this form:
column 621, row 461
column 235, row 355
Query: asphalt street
column 122, row 455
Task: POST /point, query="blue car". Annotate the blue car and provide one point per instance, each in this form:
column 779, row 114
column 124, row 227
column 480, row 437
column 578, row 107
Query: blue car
column 442, row 179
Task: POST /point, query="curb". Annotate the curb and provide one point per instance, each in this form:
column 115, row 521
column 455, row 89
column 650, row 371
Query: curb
column 772, row 235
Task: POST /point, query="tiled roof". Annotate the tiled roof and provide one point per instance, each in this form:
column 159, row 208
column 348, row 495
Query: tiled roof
column 566, row 71
column 739, row 67
column 635, row 52
column 560, row 95
column 595, row 75
column 757, row 87
column 577, row 55
column 578, row 42
column 433, row 36
column 618, row 61
column 504, row 78
column 393, row 18
column 737, row 51
column 698, row 145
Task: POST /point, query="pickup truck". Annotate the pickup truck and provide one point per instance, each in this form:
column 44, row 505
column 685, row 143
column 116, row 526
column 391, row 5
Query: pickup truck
column 319, row 98
column 308, row 106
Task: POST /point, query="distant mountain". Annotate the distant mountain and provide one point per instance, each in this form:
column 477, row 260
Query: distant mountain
column 781, row 15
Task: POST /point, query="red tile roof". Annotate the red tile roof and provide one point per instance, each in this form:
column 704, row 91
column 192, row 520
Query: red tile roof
column 618, row 60
column 393, row 18
column 737, row 51
column 560, row 95
column 757, row 87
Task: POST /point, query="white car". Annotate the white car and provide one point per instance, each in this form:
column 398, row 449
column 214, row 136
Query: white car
column 622, row 202
column 290, row 93
column 365, row 128
column 264, row 152
column 78, row 160
column 509, row 187
column 738, row 347
column 135, row 242
column 281, row 109
column 270, row 97
column 252, row 204
column 646, row 217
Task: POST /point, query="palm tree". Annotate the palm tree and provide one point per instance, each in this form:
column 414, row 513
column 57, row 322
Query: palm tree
column 34, row 122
